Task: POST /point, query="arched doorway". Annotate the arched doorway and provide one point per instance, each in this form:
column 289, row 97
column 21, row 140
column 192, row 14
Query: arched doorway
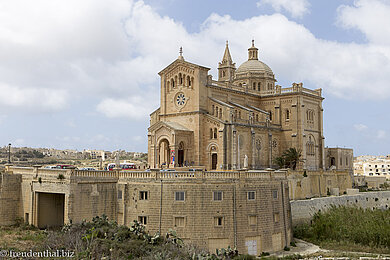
column 214, row 161
column 164, row 154
column 180, row 155
column 332, row 161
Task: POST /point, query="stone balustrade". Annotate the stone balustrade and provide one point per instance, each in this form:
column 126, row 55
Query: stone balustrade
column 154, row 174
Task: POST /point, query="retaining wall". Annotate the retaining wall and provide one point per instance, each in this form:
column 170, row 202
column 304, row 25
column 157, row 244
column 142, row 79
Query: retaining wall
column 303, row 210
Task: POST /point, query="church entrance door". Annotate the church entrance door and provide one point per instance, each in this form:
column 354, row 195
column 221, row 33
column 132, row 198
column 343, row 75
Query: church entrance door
column 214, row 160
column 180, row 158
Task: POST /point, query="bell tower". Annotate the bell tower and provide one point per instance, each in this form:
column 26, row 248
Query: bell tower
column 226, row 67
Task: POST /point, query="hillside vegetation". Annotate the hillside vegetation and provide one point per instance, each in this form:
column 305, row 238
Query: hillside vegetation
column 104, row 239
column 349, row 228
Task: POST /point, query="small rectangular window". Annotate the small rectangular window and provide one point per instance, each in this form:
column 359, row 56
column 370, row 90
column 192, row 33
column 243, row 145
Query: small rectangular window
column 275, row 194
column 251, row 195
column 119, row 194
column 276, row 217
column 143, row 195
column 217, row 195
column 143, row 220
column 252, row 220
column 179, row 196
column 179, row 222
column 218, row 221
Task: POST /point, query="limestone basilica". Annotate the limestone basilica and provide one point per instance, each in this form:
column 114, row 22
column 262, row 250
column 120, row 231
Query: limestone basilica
column 242, row 120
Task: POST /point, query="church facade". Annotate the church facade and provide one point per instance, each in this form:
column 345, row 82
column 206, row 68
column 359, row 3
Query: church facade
column 243, row 120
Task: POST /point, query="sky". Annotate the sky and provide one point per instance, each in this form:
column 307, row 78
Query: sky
column 83, row 74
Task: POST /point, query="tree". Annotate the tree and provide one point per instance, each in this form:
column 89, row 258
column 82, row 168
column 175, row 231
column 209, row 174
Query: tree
column 289, row 158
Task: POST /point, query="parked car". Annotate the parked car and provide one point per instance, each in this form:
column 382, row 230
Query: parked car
column 87, row 169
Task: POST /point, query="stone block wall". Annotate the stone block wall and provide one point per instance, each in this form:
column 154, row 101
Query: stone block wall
column 10, row 191
column 215, row 211
column 317, row 183
column 303, row 210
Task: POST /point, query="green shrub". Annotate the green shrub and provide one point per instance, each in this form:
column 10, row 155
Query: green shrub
column 348, row 224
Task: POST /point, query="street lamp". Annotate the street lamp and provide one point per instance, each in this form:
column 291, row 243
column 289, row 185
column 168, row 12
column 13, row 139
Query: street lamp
column 9, row 153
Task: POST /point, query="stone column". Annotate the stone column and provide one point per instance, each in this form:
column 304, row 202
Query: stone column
column 234, row 151
column 253, row 164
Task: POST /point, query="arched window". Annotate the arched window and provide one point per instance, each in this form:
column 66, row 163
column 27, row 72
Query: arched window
column 215, row 133
column 257, row 118
column 259, row 86
column 173, row 83
column 211, row 133
column 239, row 114
column 212, row 109
column 220, row 113
column 189, row 81
column 270, row 115
column 254, row 85
column 310, row 147
column 287, row 115
column 216, row 111
column 180, row 79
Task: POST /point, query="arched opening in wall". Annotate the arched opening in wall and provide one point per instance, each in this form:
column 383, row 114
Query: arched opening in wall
column 163, row 153
column 180, row 155
column 50, row 209
column 215, row 133
column 214, row 161
column 180, row 79
column 332, row 161
column 188, row 81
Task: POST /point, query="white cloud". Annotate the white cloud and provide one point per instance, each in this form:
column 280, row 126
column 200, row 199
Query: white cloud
column 55, row 53
column 297, row 8
column 360, row 127
column 133, row 108
column 381, row 134
column 371, row 17
column 18, row 142
column 42, row 99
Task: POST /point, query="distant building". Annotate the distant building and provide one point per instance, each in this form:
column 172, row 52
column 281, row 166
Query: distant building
column 339, row 158
column 372, row 166
column 95, row 154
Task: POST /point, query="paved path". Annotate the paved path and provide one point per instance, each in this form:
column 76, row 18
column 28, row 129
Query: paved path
column 302, row 248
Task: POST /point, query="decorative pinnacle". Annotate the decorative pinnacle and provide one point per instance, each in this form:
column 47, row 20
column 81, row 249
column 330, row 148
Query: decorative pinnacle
column 181, row 53
column 253, row 43
column 227, row 42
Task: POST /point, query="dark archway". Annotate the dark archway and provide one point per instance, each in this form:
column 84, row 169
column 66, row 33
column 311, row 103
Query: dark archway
column 332, row 161
column 214, row 161
column 164, row 155
column 180, row 155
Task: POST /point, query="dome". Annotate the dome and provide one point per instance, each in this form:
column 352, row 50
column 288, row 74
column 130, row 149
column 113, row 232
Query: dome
column 253, row 66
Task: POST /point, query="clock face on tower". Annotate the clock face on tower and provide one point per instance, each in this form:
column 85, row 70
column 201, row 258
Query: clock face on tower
column 180, row 99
